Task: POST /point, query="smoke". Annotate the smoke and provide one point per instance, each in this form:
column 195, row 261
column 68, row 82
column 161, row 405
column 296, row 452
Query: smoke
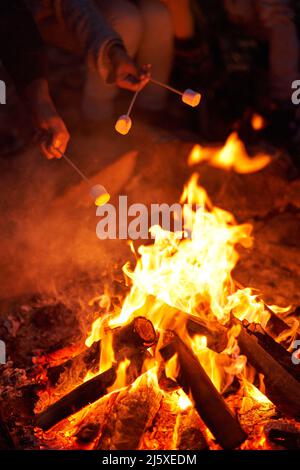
column 44, row 244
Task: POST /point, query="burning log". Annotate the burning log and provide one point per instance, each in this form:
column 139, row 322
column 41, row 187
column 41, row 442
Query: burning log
column 216, row 334
column 74, row 401
column 282, row 388
column 139, row 335
column 276, row 350
column 132, row 413
column 189, row 435
column 208, row 402
column 275, row 325
column 283, row 434
column 127, row 340
column 88, row 360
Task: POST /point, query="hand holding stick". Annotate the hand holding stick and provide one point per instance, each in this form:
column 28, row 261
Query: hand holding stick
column 97, row 191
column 189, row 97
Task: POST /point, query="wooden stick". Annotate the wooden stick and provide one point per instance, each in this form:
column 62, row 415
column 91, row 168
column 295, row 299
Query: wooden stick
column 207, row 400
column 164, row 85
column 132, row 102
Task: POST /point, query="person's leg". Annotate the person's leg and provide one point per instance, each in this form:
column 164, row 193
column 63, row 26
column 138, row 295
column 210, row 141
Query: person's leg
column 277, row 19
column 125, row 18
column 156, row 49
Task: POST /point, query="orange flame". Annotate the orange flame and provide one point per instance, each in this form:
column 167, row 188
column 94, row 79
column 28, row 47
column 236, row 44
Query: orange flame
column 232, row 156
column 190, row 273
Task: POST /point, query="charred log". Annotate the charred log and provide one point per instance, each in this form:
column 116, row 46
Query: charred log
column 139, row 335
column 282, row 388
column 87, row 393
column 87, row 360
column 278, row 352
column 275, row 325
column 208, row 402
column 282, row 434
column 127, row 340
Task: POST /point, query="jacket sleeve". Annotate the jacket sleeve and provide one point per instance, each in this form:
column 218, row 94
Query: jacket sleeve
column 94, row 34
column 21, row 47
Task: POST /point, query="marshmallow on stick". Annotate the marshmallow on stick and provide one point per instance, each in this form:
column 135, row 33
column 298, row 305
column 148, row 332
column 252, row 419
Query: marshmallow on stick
column 98, row 192
column 189, row 97
column 100, row 195
column 124, row 122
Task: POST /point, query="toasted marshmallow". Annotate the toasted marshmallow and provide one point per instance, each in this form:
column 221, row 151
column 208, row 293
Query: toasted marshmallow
column 100, row 195
column 191, row 97
column 123, row 124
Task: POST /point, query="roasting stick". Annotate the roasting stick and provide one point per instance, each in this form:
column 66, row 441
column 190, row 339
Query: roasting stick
column 132, row 102
column 164, row 85
column 97, row 191
column 189, row 97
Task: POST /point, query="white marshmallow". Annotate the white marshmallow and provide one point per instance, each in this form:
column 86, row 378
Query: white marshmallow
column 123, row 124
column 191, row 97
column 99, row 194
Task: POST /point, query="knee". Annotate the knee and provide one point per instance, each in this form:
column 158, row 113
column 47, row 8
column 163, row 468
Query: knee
column 129, row 25
column 157, row 18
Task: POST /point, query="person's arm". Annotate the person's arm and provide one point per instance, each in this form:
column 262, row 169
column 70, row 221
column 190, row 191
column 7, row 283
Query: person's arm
column 101, row 44
column 22, row 54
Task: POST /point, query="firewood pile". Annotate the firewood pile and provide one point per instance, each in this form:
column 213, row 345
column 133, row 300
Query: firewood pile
column 86, row 374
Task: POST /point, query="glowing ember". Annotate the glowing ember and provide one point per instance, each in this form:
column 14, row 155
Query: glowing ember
column 258, row 122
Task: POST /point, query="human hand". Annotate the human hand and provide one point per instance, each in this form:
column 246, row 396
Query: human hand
column 55, row 136
column 126, row 73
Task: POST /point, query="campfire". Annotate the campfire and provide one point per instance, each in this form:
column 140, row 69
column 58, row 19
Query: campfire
column 188, row 358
